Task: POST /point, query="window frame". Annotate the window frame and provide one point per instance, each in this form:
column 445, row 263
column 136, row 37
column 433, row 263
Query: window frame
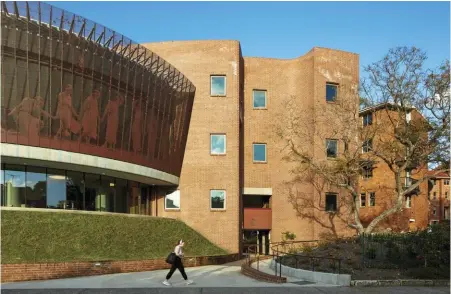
column 367, row 172
column 372, row 196
column 367, row 146
column 408, row 202
column 253, row 99
column 446, row 182
column 336, row 149
column 172, row 209
column 225, row 144
column 336, row 85
column 336, row 202
column 253, row 153
column 366, row 121
column 211, row 85
column 434, row 197
column 434, row 211
column 225, row 200
column 363, row 196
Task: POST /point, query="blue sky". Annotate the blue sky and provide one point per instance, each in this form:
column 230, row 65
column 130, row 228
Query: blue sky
column 283, row 29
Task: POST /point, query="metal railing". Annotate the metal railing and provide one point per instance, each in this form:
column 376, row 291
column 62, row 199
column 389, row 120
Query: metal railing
column 298, row 261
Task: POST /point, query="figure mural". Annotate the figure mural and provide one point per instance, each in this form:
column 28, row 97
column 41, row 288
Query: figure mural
column 90, row 117
column 27, row 116
column 111, row 114
column 66, row 112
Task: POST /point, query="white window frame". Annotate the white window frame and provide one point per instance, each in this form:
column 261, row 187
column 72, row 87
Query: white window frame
column 253, row 153
column 225, row 199
column 225, row 143
column 408, row 201
column 211, row 85
column 408, row 116
column 253, row 99
column 165, row 197
column 446, row 182
column 362, row 195
column 372, row 193
column 368, row 144
column 336, row 92
column 336, row 153
column 370, row 114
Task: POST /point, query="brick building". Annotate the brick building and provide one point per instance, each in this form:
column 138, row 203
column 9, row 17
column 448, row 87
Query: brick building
column 439, row 193
column 232, row 153
column 378, row 184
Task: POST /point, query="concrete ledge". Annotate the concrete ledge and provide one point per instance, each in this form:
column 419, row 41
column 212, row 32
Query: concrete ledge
column 47, row 271
column 397, row 283
column 261, row 276
column 29, row 209
column 315, row 277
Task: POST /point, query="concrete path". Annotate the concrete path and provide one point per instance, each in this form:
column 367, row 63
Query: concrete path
column 223, row 279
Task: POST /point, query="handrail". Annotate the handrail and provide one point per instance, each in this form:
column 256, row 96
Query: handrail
column 278, row 254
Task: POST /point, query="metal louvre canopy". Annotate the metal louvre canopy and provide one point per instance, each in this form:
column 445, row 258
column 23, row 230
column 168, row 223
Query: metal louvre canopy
column 46, row 49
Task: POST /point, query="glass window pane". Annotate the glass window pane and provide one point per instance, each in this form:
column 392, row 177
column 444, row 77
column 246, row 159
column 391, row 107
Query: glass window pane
column 120, row 205
column 218, row 86
column 14, row 195
column 259, row 99
column 105, row 196
column 36, row 187
column 331, row 148
column 260, row 152
column 331, row 92
column 92, row 189
column 75, row 188
column 218, row 198
column 56, row 189
column 172, row 200
column 218, row 144
column 363, row 200
column 331, row 202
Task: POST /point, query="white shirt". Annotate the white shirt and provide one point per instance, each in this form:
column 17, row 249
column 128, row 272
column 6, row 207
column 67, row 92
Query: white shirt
column 178, row 251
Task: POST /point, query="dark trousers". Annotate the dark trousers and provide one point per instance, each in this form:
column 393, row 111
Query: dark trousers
column 177, row 265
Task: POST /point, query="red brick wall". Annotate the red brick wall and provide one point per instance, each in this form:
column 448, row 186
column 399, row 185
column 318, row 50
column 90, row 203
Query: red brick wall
column 46, row 271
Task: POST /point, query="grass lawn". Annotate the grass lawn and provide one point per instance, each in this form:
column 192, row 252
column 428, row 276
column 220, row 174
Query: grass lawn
column 31, row 236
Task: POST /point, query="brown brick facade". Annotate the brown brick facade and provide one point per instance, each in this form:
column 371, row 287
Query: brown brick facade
column 45, row 271
column 304, row 78
column 439, row 194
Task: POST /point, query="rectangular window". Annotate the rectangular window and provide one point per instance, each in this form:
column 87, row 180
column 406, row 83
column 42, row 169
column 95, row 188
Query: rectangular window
column 434, row 211
column 217, row 144
column 331, row 92
column 217, row 199
column 435, row 195
column 408, row 116
column 367, row 145
column 367, row 172
column 218, row 86
column 368, row 119
column 447, row 182
column 372, row 198
column 362, row 200
column 331, row 202
column 172, row 201
column 259, row 97
column 259, row 154
column 332, row 148
column 408, row 201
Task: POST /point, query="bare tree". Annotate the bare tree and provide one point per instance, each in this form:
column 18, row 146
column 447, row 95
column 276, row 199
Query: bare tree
column 397, row 85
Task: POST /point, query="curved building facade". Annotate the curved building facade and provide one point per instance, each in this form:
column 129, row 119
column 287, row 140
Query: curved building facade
column 90, row 119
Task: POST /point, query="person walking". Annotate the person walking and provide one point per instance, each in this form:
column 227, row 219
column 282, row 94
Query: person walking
column 177, row 264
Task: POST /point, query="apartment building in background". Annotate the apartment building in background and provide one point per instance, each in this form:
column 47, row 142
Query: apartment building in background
column 377, row 184
column 439, row 193
column 232, row 181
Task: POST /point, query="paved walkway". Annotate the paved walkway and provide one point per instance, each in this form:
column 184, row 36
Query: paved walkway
column 223, row 279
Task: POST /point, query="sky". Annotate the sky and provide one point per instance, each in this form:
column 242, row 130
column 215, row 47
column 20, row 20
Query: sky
column 283, row 29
